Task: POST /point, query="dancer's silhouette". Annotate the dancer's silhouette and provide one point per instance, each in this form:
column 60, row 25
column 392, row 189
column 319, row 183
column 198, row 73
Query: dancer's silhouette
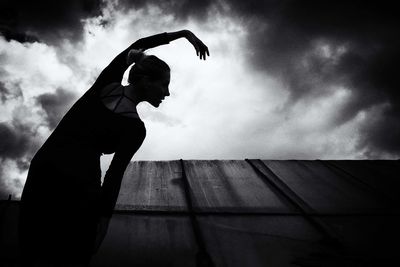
column 65, row 210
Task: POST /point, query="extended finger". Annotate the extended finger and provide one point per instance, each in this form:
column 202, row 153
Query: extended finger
column 197, row 49
column 204, row 50
column 204, row 55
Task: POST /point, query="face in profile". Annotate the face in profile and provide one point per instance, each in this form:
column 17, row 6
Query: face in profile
column 157, row 89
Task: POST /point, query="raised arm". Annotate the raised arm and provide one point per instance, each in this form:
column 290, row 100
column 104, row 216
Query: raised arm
column 199, row 46
column 115, row 70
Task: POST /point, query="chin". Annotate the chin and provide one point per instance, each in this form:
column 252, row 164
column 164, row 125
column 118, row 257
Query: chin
column 154, row 103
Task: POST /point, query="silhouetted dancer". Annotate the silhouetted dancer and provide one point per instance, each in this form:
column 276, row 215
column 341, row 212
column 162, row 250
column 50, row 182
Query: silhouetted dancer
column 65, row 210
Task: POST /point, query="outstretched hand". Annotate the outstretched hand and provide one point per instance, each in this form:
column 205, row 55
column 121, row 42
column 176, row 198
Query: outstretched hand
column 201, row 48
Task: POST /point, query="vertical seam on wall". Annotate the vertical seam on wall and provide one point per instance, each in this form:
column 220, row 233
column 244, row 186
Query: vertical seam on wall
column 286, row 192
column 202, row 252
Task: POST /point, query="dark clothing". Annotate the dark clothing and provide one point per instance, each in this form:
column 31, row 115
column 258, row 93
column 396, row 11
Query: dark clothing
column 63, row 197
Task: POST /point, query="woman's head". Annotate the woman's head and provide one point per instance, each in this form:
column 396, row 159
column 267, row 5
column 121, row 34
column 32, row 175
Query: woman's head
column 150, row 75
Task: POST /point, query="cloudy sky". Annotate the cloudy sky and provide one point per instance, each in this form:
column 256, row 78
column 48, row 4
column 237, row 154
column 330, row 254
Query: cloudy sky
column 285, row 80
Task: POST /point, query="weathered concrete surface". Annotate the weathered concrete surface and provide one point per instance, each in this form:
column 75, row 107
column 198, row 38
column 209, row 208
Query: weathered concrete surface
column 326, row 190
column 231, row 186
column 152, row 185
column 245, row 220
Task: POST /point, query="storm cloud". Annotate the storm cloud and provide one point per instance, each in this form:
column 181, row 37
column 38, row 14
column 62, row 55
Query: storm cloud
column 18, row 144
column 45, row 20
column 55, row 105
column 315, row 46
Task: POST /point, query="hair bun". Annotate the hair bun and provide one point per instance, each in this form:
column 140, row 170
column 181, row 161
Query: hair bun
column 135, row 56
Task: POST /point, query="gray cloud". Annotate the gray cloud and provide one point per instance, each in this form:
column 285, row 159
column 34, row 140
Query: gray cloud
column 371, row 39
column 12, row 34
column 15, row 140
column 6, row 93
column 181, row 9
column 19, row 133
column 47, row 20
column 282, row 33
column 18, row 145
column 55, row 105
column 382, row 134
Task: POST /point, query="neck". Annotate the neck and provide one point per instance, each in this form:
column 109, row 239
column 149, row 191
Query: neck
column 131, row 92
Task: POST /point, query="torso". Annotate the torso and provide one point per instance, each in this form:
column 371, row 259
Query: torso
column 93, row 126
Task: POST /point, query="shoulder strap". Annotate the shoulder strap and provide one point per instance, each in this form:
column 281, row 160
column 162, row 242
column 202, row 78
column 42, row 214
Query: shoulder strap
column 121, row 96
column 108, row 94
